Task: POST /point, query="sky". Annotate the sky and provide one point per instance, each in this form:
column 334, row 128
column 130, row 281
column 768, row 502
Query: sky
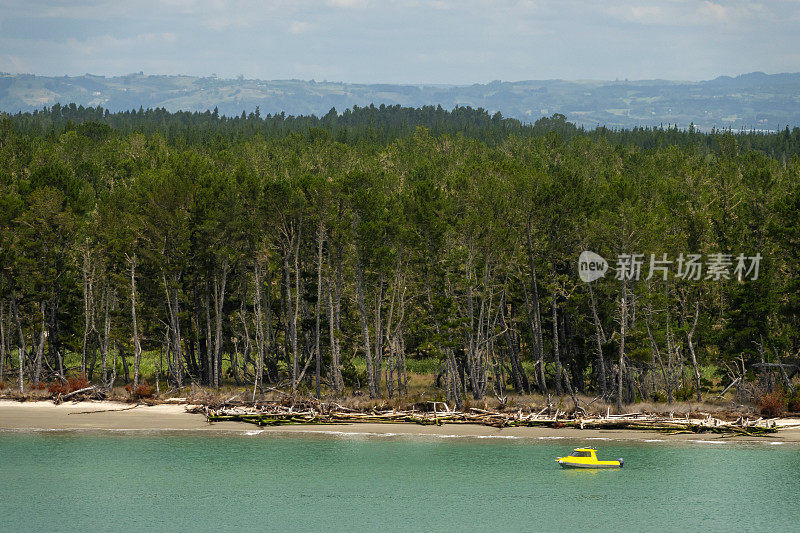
column 402, row 41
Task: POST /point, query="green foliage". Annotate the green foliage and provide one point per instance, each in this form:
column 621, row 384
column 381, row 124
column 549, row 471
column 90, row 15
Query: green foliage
column 445, row 226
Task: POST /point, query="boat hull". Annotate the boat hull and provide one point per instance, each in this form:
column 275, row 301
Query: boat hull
column 611, row 464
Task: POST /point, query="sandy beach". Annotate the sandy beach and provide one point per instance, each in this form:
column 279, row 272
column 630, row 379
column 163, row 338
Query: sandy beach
column 112, row 416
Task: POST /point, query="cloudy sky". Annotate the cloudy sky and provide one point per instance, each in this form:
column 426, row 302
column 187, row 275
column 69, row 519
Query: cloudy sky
column 402, row 41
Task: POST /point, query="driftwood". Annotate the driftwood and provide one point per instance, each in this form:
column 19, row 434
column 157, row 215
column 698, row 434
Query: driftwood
column 734, row 382
column 314, row 412
column 79, row 391
column 104, row 410
column 86, row 391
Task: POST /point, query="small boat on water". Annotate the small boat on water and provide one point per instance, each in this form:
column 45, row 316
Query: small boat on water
column 586, row 458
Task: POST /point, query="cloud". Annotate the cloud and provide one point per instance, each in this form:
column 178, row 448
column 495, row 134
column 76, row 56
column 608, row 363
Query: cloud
column 13, row 63
column 299, row 26
column 646, row 14
column 715, row 12
column 681, row 14
column 347, row 4
column 107, row 43
column 407, row 41
column 91, row 10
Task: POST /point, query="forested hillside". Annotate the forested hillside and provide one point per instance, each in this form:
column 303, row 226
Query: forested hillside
column 330, row 253
column 750, row 101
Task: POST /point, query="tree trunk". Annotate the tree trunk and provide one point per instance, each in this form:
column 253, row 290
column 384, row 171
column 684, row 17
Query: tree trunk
column 517, row 372
column 393, row 326
column 295, row 313
column 480, row 344
column 565, row 348
column 338, row 316
column 37, row 372
column 209, row 363
column 88, row 311
column 125, row 370
column 320, row 241
column 267, row 334
column 219, row 302
column 622, row 333
column 21, row 352
column 556, row 354
column 104, row 341
column 477, row 339
column 292, row 307
column 454, row 383
column 377, row 360
column 137, row 347
column 390, row 364
column 655, row 354
column 669, row 349
column 535, row 318
column 364, row 325
column 402, row 381
column 335, row 369
column 689, row 336
column 258, row 369
column 600, row 338
column 174, row 310
column 52, row 336
column 471, row 340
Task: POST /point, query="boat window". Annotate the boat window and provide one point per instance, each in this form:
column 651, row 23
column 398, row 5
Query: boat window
column 580, row 454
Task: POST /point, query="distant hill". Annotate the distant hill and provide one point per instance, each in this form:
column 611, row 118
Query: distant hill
column 749, row 101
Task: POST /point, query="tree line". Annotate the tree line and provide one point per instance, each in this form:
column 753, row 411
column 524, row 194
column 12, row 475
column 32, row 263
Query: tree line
column 308, row 258
column 380, row 125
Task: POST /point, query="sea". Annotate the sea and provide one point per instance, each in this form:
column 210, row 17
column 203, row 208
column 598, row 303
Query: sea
column 256, row 480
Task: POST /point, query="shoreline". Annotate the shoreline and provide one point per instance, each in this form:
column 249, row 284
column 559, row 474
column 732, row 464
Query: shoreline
column 107, row 416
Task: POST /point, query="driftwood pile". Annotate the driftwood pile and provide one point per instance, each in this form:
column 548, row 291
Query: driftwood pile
column 437, row 413
column 86, row 393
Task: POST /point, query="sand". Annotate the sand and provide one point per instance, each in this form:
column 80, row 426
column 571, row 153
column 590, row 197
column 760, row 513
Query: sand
column 112, row 416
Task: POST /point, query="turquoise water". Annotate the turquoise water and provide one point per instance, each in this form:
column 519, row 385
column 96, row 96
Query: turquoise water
column 170, row 482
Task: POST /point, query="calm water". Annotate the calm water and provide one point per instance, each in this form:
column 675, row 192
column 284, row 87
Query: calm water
column 70, row 481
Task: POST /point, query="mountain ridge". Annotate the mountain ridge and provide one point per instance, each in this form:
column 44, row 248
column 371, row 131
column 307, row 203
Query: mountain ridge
column 748, row 101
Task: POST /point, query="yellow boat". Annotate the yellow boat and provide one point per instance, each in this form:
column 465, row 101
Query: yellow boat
column 586, row 458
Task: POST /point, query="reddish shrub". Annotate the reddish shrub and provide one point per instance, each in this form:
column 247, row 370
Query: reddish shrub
column 772, row 404
column 142, row 391
column 77, row 383
column 2, row 385
column 56, row 387
column 71, row 385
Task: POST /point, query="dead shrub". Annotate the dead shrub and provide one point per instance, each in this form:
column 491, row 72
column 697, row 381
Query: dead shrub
column 772, row 404
column 77, row 383
column 140, row 392
column 57, row 387
column 143, row 391
column 74, row 383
